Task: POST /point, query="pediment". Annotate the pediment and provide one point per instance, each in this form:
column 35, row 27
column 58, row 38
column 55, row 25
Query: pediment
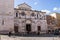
column 24, row 6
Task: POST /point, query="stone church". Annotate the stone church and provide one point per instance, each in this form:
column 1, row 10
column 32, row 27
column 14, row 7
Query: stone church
column 21, row 19
column 28, row 20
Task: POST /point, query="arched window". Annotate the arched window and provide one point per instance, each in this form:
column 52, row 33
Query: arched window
column 16, row 14
column 23, row 13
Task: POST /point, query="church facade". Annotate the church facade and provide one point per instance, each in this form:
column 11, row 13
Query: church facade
column 28, row 20
column 21, row 19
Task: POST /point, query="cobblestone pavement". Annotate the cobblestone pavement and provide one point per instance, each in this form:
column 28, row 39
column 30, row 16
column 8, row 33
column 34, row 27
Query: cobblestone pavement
column 6, row 37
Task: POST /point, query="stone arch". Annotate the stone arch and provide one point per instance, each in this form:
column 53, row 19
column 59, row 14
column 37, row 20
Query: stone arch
column 28, row 21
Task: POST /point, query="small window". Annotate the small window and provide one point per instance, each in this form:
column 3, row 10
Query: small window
column 16, row 14
column 37, row 15
column 23, row 13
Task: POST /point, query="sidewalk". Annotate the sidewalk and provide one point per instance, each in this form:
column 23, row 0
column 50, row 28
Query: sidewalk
column 5, row 37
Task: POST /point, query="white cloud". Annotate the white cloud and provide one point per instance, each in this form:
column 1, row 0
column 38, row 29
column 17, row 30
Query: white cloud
column 56, row 9
column 35, row 3
column 47, row 11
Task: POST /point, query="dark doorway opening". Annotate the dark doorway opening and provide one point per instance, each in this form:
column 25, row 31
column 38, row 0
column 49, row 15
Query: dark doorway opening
column 16, row 29
column 39, row 29
column 28, row 28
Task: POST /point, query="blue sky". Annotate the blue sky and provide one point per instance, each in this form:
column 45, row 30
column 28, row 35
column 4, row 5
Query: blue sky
column 44, row 5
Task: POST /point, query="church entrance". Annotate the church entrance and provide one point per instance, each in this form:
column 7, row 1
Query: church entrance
column 16, row 29
column 28, row 28
column 39, row 29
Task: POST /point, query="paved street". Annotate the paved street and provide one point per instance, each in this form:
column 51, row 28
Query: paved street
column 6, row 37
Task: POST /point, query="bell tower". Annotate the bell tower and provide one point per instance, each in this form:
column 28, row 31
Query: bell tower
column 6, row 15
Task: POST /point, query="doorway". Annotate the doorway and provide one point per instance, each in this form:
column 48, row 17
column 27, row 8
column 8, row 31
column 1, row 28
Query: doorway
column 28, row 28
column 39, row 28
column 16, row 29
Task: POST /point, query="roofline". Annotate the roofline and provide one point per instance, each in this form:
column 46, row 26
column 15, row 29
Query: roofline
column 24, row 3
column 27, row 10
